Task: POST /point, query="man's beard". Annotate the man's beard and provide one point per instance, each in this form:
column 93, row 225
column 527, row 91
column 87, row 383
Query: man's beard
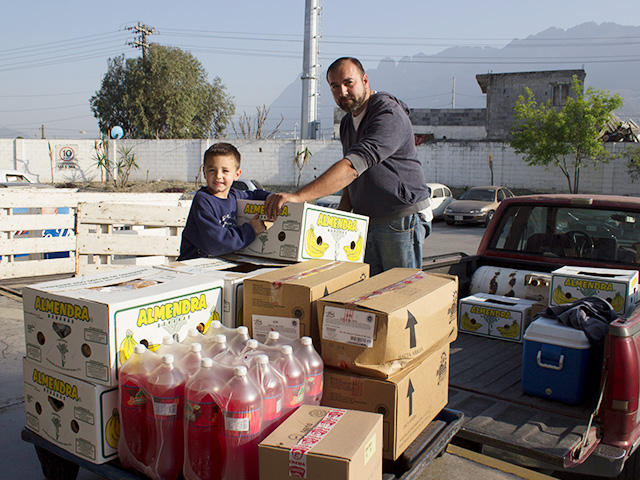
column 351, row 106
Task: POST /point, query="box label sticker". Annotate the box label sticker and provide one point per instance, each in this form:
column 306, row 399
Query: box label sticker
column 370, row 449
column 84, row 415
column 263, row 324
column 34, row 353
column 96, row 336
column 345, row 325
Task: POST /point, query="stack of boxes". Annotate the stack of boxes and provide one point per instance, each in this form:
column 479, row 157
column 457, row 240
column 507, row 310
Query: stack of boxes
column 385, row 345
column 78, row 331
column 559, row 361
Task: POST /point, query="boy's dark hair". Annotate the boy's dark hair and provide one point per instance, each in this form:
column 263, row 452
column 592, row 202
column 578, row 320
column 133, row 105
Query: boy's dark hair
column 222, row 150
column 341, row 60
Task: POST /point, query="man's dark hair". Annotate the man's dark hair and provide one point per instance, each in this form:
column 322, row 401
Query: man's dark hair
column 222, row 150
column 341, row 60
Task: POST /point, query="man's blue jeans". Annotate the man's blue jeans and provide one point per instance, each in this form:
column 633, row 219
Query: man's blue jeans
column 397, row 243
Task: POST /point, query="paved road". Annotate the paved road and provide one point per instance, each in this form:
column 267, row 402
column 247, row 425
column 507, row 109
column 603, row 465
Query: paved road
column 452, row 238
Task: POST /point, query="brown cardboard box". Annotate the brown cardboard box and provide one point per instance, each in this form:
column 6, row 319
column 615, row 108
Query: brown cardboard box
column 318, row 443
column 408, row 401
column 380, row 326
column 285, row 299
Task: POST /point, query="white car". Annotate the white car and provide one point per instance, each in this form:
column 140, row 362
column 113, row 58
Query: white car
column 16, row 178
column 440, row 197
column 246, row 184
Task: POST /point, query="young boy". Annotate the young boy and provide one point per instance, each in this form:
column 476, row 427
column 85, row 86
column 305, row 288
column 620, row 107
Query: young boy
column 211, row 229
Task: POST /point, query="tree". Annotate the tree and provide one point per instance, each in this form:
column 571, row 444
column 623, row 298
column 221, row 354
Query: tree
column 566, row 137
column 166, row 94
column 632, row 153
column 253, row 128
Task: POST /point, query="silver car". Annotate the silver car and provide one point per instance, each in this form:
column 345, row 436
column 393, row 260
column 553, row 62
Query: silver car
column 477, row 205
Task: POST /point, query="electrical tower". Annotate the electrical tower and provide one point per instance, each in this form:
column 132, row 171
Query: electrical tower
column 143, row 31
column 310, row 125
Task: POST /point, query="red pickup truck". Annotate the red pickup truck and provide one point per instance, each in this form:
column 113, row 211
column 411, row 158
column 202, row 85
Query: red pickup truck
column 600, row 436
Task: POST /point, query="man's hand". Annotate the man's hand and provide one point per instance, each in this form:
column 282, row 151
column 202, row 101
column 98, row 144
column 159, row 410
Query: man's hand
column 274, row 203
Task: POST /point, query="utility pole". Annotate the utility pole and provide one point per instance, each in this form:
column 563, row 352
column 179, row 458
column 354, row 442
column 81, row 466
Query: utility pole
column 453, row 94
column 143, row 31
column 310, row 124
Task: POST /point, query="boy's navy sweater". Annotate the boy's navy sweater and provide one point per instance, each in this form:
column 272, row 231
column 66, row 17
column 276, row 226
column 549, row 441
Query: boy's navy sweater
column 211, row 229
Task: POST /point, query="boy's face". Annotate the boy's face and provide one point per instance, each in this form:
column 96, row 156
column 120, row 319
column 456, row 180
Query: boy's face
column 220, row 172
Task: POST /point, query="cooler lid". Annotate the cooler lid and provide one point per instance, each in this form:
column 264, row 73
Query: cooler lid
column 550, row 331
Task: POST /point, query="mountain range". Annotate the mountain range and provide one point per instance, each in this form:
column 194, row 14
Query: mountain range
column 608, row 53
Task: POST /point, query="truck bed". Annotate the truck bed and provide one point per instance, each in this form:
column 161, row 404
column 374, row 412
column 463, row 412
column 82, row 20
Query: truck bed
column 485, row 386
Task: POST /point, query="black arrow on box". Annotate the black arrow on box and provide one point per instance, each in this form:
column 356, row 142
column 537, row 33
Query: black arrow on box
column 411, row 325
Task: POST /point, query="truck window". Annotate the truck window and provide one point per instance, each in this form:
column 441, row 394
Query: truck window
column 601, row 235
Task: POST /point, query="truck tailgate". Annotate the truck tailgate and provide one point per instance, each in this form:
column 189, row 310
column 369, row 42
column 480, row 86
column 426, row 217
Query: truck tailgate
column 485, row 386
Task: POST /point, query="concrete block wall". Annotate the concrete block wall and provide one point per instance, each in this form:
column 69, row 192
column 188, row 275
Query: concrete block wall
column 503, row 90
column 454, row 163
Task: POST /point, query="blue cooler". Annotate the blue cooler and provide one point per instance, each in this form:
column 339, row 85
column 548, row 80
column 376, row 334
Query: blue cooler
column 555, row 362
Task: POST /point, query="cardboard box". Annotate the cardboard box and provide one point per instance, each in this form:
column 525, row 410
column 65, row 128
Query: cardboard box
column 232, row 311
column 379, row 326
column 619, row 287
column 317, row 443
column 408, row 401
column 78, row 416
column 285, row 300
column 87, row 326
column 305, row 231
column 495, row 316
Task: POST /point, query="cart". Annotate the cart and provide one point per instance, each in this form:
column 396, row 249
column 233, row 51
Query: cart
column 58, row 464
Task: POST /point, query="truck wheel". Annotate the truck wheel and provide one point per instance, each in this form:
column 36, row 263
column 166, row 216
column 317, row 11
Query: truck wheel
column 448, row 222
column 55, row 467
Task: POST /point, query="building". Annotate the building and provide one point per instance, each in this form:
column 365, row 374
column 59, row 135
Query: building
column 503, row 90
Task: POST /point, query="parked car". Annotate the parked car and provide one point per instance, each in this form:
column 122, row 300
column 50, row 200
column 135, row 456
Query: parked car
column 245, row 184
column 477, row 205
column 16, row 178
column 330, row 201
column 440, row 197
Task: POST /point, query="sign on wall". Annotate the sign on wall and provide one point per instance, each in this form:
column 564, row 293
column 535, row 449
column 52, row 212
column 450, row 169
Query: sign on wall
column 66, row 157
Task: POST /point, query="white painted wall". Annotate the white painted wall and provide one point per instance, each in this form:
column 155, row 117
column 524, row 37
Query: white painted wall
column 455, row 163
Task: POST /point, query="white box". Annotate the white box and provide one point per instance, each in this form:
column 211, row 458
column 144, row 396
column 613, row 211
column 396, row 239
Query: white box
column 87, row 326
column 619, row 287
column 232, row 312
column 305, row 231
column 495, row 316
column 78, row 416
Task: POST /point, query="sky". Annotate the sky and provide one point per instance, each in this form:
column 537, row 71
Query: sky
column 53, row 55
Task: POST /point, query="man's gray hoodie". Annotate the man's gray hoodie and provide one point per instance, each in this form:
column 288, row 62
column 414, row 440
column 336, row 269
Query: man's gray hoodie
column 391, row 183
